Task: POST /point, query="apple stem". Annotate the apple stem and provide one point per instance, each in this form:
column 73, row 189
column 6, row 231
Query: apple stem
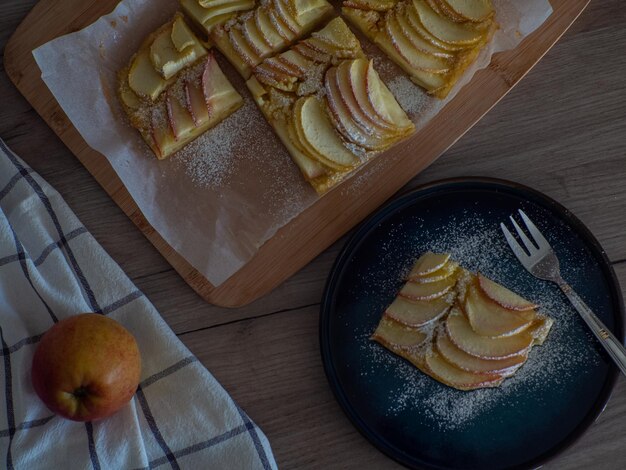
column 80, row 392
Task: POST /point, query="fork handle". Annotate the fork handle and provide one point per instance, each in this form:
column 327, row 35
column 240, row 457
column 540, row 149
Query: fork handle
column 612, row 345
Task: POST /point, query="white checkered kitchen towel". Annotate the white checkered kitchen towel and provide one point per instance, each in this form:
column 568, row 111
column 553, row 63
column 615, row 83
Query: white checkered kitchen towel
column 51, row 268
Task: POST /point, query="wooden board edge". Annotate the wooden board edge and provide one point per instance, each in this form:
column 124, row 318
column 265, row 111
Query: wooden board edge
column 231, row 293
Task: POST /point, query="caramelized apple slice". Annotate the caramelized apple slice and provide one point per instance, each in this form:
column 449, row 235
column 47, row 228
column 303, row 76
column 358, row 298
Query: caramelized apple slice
column 471, row 10
column 383, row 101
column 503, row 296
column 428, row 263
column 242, row 48
column 370, row 5
column 417, row 313
column 286, row 16
column 256, row 40
column 394, row 335
column 427, row 291
column 267, row 29
column 279, row 25
column 417, row 40
column 414, row 57
column 446, row 30
column 218, row 92
column 166, row 58
column 344, row 121
column 181, row 35
column 448, row 269
column 195, row 102
column 465, row 338
column 367, row 123
column 358, row 82
column 143, row 79
column 414, row 20
column 462, row 360
column 438, row 368
column 490, row 319
column 319, row 135
column 181, row 122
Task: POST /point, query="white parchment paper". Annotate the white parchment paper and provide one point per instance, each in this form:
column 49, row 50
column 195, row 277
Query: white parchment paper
column 220, row 200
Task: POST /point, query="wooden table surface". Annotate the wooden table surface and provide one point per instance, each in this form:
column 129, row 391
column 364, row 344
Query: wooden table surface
column 562, row 130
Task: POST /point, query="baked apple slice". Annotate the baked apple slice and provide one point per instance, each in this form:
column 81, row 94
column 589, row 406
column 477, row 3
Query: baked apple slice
column 445, row 30
column 429, row 263
column 465, row 338
column 396, row 336
column 448, row 269
column 487, row 318
column 459, row 358
column 441, row 370
column 427, row 290
column 318, row 135
column 414, row 57
column 476, row 11
column 503, row 296
column 416, row 313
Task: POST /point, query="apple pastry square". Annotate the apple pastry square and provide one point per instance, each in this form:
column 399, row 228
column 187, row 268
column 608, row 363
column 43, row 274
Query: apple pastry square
column 328, row 105
column 174, row 90
column 433, row 41
column 271, row 27
column 462, row 329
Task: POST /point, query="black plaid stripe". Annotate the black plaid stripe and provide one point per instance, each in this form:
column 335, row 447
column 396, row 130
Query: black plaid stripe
column 47, row 250
column 21, row 254
column 26, row 425
column 93, row 455
column 254, row 435
column 12, row 182
column 192, row 449
column 8, row 391
column 59, row 244
column 169, row 371
column 154, row 428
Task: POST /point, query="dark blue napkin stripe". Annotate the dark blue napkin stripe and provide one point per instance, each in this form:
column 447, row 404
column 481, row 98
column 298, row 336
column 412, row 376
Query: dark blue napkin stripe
column 59, row 244
column 155, row 429
column 169, row 371
column 47, row 250
column 8, row 391
column 26, row 425
column 12, row 182
column 22, row 257
column 255, row 438
column 93, row 455
column 192, row 449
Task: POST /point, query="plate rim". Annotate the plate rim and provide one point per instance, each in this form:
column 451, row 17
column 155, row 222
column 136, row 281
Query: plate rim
column 405, row 199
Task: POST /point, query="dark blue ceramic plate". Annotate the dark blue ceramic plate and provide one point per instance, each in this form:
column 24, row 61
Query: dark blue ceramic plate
column 422, row 423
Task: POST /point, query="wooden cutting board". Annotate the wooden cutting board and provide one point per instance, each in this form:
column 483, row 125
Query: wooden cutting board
column 331, row 216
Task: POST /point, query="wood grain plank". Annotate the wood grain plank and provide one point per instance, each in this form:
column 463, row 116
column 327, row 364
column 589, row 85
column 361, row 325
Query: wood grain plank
column 296, row 244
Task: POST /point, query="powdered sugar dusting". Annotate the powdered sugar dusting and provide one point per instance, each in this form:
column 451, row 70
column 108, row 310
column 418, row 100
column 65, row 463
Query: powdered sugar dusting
column 477, row 245
column 211, row 158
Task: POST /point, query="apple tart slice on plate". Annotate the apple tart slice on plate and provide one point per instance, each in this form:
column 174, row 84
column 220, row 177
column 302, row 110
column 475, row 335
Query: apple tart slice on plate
column 174, row 90
column 433, row 41
column 328, row 105
column 464, row 330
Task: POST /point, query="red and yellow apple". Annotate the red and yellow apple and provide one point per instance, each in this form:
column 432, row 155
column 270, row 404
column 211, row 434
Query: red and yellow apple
column 86, row 367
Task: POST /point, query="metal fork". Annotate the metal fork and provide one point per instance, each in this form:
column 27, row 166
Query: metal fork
column 541, row 261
